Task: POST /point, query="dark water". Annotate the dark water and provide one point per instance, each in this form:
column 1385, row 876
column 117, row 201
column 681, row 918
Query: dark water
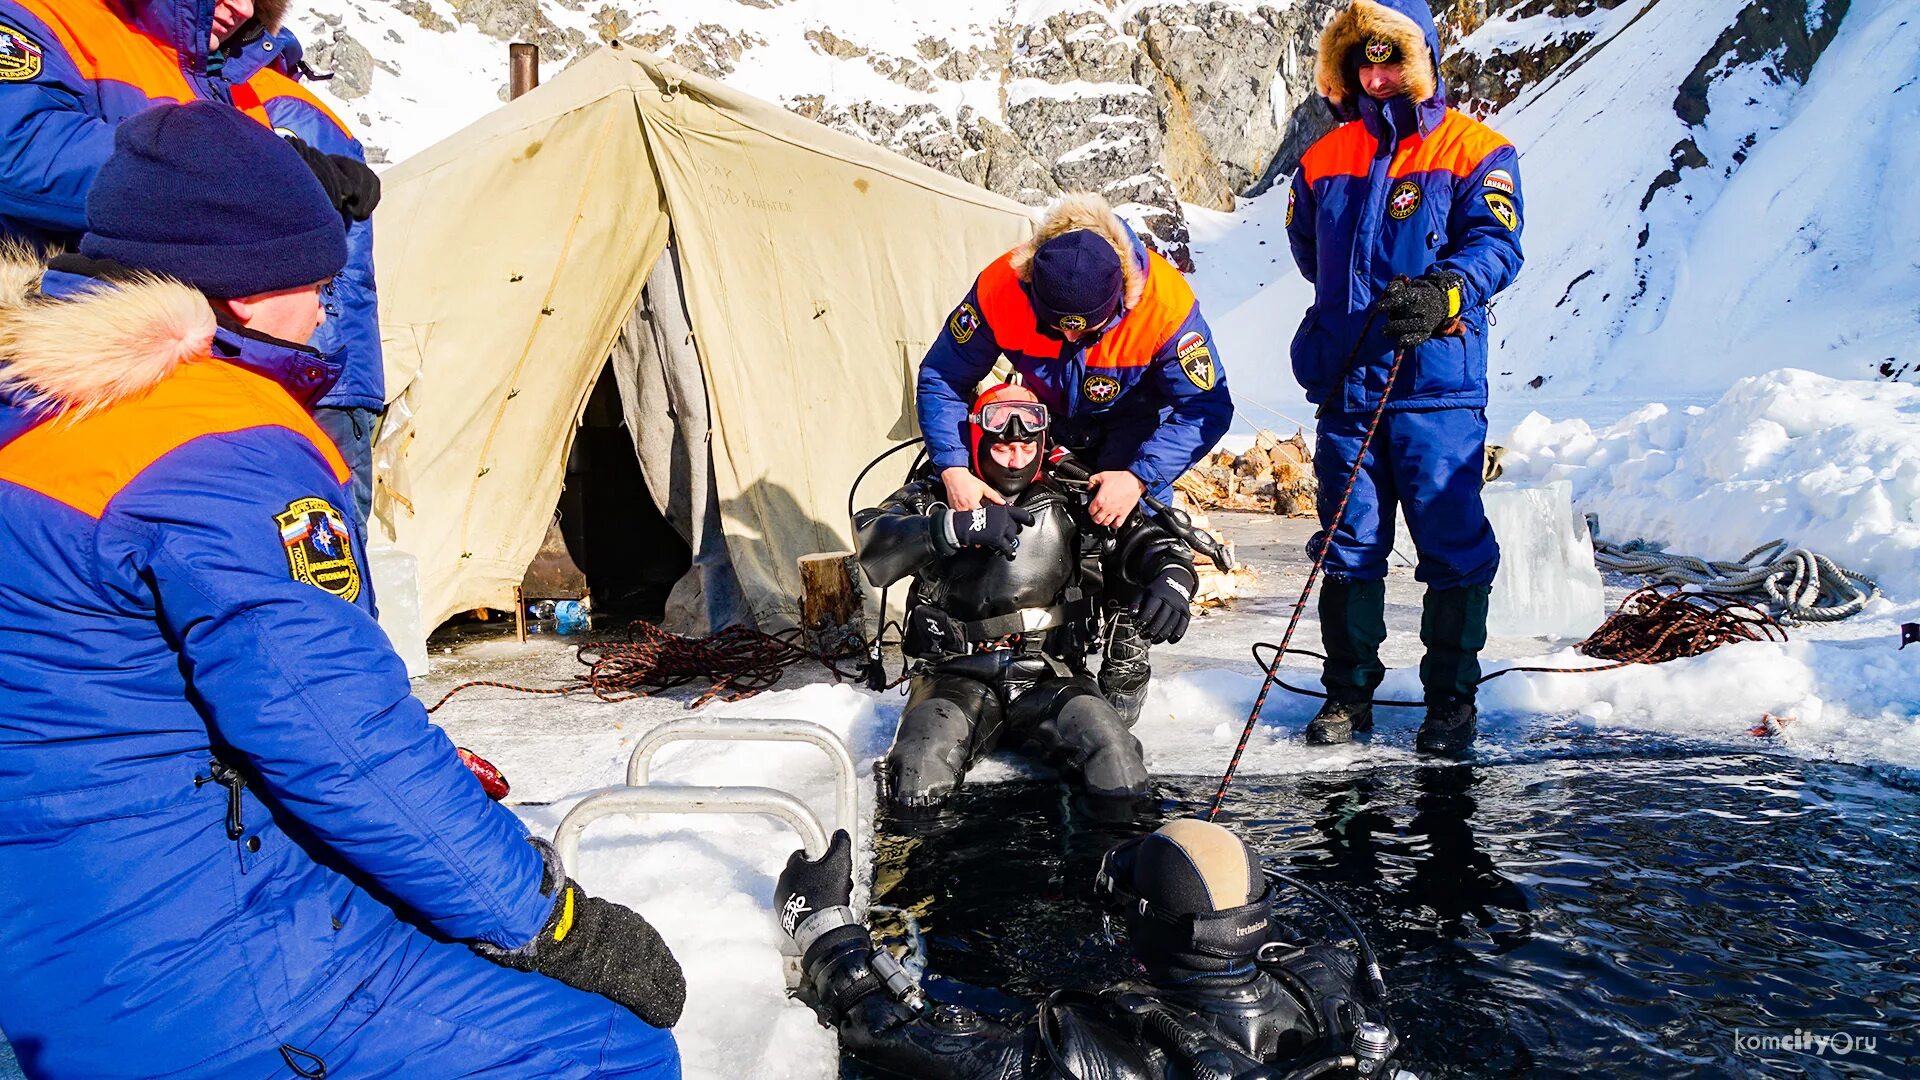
column 1626, row 917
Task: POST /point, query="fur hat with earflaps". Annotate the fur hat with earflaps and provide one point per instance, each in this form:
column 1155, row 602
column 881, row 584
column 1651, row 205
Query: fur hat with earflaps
column 1365, row 24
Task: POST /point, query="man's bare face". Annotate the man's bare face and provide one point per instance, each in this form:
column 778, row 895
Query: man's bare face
column 1383, row 81
column 228, row 16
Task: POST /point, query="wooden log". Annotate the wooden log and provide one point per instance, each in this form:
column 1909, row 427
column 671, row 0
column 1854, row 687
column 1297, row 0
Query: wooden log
column 830, row 603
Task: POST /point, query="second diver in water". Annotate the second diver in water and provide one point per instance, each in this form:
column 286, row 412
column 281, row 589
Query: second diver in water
column 1230, row 992
column 1002, row 599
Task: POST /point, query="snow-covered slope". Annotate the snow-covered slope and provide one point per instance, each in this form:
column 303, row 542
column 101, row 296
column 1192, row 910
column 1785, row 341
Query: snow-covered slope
column 1696, row 214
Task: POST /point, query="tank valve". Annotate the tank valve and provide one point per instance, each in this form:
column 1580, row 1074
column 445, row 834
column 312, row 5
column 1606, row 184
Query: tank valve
column 1373, row 1044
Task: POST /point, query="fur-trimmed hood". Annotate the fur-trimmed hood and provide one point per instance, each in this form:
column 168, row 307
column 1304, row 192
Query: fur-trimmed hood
column 1407, row 23
column 108, row 341
column 1085, row 210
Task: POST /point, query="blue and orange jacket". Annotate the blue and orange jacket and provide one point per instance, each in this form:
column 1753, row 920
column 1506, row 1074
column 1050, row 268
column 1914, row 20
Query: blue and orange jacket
column 177, row 583
column 1399, row 189
column 72, row 69
column 1150, row 396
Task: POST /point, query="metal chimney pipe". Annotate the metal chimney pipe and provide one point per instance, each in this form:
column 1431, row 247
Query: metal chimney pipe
column 524, row 60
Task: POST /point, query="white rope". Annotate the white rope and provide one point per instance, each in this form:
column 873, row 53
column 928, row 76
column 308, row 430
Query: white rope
column 1797, row 584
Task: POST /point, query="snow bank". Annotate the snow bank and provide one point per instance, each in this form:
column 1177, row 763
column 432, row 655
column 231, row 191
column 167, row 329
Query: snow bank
column 1829, row 464
column 1852, row 701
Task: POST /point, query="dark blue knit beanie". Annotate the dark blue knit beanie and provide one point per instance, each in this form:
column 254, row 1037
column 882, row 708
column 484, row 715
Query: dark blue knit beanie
column 1077, row 281
column 203, row 194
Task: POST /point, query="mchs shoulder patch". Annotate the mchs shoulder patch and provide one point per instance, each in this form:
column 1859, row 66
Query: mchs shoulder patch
column 1195, row 359
column 319, row 547
column 20, row 56
column 964, row 324
column 1503, row 209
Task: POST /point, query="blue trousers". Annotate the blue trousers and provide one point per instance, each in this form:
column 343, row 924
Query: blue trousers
column 1428, row 463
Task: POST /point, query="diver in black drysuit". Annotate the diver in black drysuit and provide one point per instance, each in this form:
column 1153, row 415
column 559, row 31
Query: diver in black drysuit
column 1001, row 611
column 1230, row 992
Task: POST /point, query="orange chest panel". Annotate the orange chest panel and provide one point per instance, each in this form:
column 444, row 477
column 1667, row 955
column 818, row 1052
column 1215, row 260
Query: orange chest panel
column 1457, row 146
column 1164, row 305
column 85, row 462
column 105, row 49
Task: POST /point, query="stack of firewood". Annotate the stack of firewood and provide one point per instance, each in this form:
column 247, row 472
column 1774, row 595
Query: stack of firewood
column 1274, row 477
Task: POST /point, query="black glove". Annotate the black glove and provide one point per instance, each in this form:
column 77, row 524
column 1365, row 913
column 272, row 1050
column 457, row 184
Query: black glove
column 600, row 947
column 993, row 526
column 1417, row 308
column 353, row 188
column 1162, row 612
column 808, row 885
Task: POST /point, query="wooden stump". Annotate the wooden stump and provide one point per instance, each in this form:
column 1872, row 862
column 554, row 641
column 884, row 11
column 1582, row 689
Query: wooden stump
column 830, row 603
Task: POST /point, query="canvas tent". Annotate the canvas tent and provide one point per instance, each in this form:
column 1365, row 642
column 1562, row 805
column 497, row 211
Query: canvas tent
column 772, row 355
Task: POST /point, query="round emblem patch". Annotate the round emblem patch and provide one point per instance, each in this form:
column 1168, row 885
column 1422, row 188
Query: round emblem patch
column 20, row 55
column 1073, row 323
column 1100, row 389
column 1379, row 50
column 1404, row 201
column 963, row 324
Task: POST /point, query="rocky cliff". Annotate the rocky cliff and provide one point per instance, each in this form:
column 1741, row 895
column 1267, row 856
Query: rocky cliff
column 1158, row 104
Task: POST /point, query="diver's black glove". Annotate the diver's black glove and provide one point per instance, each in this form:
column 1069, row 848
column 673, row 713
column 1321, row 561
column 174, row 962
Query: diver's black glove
column 808, row 886
column 353, row 188
column 600, row 947
column 994, row 526
column 1164, row 608
column 1417, row 308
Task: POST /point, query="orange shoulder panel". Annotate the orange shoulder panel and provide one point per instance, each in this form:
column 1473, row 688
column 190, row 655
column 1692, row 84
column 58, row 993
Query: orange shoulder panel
column 1345, row 151
column 268, row 86
column 105, row 49
column 1458, row 146
column 84, row 463
column 1166, row 304
column 1009, row 314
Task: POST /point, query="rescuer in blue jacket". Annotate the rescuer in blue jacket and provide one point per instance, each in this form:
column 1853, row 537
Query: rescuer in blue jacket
column 1110, row 338
column 231, row 843
column 1406, row 218
column 70, row 70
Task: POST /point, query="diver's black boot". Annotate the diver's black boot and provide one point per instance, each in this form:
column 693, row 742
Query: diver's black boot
column 1339, row 719
column 1449, row 728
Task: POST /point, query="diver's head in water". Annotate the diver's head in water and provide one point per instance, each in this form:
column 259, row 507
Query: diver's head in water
column 1194, row 900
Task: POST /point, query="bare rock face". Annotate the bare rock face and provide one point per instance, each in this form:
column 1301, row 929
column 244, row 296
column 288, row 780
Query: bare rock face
column 1216, row 68
column 349, row 62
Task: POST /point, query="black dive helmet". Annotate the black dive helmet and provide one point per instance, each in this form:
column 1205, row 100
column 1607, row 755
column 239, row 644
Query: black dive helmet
column 1193, row 898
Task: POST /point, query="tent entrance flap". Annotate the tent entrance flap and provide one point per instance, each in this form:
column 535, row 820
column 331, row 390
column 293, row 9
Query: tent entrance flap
column 616, row 534
column 663, row 397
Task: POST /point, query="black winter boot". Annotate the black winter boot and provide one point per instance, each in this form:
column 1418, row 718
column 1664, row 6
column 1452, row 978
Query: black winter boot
column 1449, row 727
column 1338, row 719
column 1453, row 627
column 1353, row 623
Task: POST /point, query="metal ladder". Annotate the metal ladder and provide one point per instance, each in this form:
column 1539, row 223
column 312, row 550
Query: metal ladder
column 639, row 797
